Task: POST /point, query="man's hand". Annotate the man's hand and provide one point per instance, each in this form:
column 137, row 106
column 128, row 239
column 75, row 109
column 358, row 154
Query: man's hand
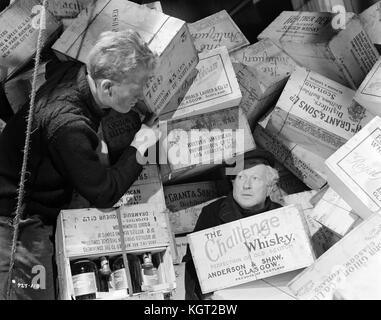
column 147, row 136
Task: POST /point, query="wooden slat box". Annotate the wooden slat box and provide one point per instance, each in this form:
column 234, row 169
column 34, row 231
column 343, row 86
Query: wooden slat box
column 355, row 170
column 215, row 31
column 369, row 93
column 304, row 164
column 348, row 258
column 314, row 41
column 317, row 113
column 215, row 87
column 262, row 71
column 19, row 33
column 334, row 213
column 92, row 233
column 249, row 249
column 196, row 144
column 167, row 36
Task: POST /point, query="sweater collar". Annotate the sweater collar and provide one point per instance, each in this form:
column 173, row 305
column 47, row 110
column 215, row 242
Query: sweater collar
column 231, row 211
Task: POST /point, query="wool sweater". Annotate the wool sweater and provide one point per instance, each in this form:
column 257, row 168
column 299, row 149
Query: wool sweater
column 62, row 151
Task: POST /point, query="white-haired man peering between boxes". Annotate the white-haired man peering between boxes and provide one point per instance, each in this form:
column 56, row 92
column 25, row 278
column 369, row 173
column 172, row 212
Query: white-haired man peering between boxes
column 68, row 111
column 252, row 187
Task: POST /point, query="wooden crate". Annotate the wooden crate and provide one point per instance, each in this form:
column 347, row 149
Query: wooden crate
column 346, row 260
column 19, row 33
column 92, row 233
column 224, row 135
column 317, row 113
column 167, row 36
column 369, row 93
column 262, row 71
column 214, row 88
column 215, row 31
column 251, row 249
column 315, row 41
column 355, row 170
column 304, row 164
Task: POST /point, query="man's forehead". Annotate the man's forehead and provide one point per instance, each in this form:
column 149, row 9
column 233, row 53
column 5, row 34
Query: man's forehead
column 256, row 169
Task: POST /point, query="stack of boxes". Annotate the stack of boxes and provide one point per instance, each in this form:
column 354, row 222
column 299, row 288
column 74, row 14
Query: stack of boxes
column 308, row 92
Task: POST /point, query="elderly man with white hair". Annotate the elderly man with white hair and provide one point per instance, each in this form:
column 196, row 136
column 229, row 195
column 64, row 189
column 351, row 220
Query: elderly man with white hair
column 68, row 111
column 252, row 187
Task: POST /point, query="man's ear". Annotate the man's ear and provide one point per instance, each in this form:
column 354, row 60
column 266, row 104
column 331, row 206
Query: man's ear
column 106, row 87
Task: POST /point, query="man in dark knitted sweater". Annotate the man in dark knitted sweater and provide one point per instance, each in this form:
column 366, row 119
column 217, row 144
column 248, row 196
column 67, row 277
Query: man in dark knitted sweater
column 68, row 111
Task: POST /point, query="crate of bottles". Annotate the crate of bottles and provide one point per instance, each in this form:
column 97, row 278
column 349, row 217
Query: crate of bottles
column 95, row 262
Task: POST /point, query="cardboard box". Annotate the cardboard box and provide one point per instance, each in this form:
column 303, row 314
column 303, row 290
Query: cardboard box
column 250, row 249
column 193, row 145
column 315, row 41
column 273, row 288
column 321, row 237
column 19, row 33
column 355, row 170
column 371, row 20
column 92, row 233
column 18, row 89
column 215, row 31
column 304, row 164
column 214, row 88
column 167, row 36
column 184, row 220
column 334, row 213
column 68, row 8
column 317, row 113
column 182, row 196
column 369, row 93
column 262, row 71
column 341, row 263
column 148, row 188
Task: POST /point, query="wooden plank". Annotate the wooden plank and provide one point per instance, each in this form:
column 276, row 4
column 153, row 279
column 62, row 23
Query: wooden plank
column 253, row 248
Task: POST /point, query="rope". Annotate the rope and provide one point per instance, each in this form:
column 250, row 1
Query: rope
column 21, row 189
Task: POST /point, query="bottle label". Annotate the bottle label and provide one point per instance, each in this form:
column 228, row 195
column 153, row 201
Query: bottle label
column 120, row 279
column 151, row 278
column 84, row 283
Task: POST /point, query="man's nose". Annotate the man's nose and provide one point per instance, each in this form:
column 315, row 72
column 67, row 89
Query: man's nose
column 247, row 184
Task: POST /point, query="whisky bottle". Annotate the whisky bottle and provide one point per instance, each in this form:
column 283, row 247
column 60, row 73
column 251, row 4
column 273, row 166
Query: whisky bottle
column 149, row 272
column 104, row 274
column 84, row 275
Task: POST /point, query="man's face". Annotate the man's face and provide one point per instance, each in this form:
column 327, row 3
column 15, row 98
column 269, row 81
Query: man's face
column 250, row 187
column 122, row 97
